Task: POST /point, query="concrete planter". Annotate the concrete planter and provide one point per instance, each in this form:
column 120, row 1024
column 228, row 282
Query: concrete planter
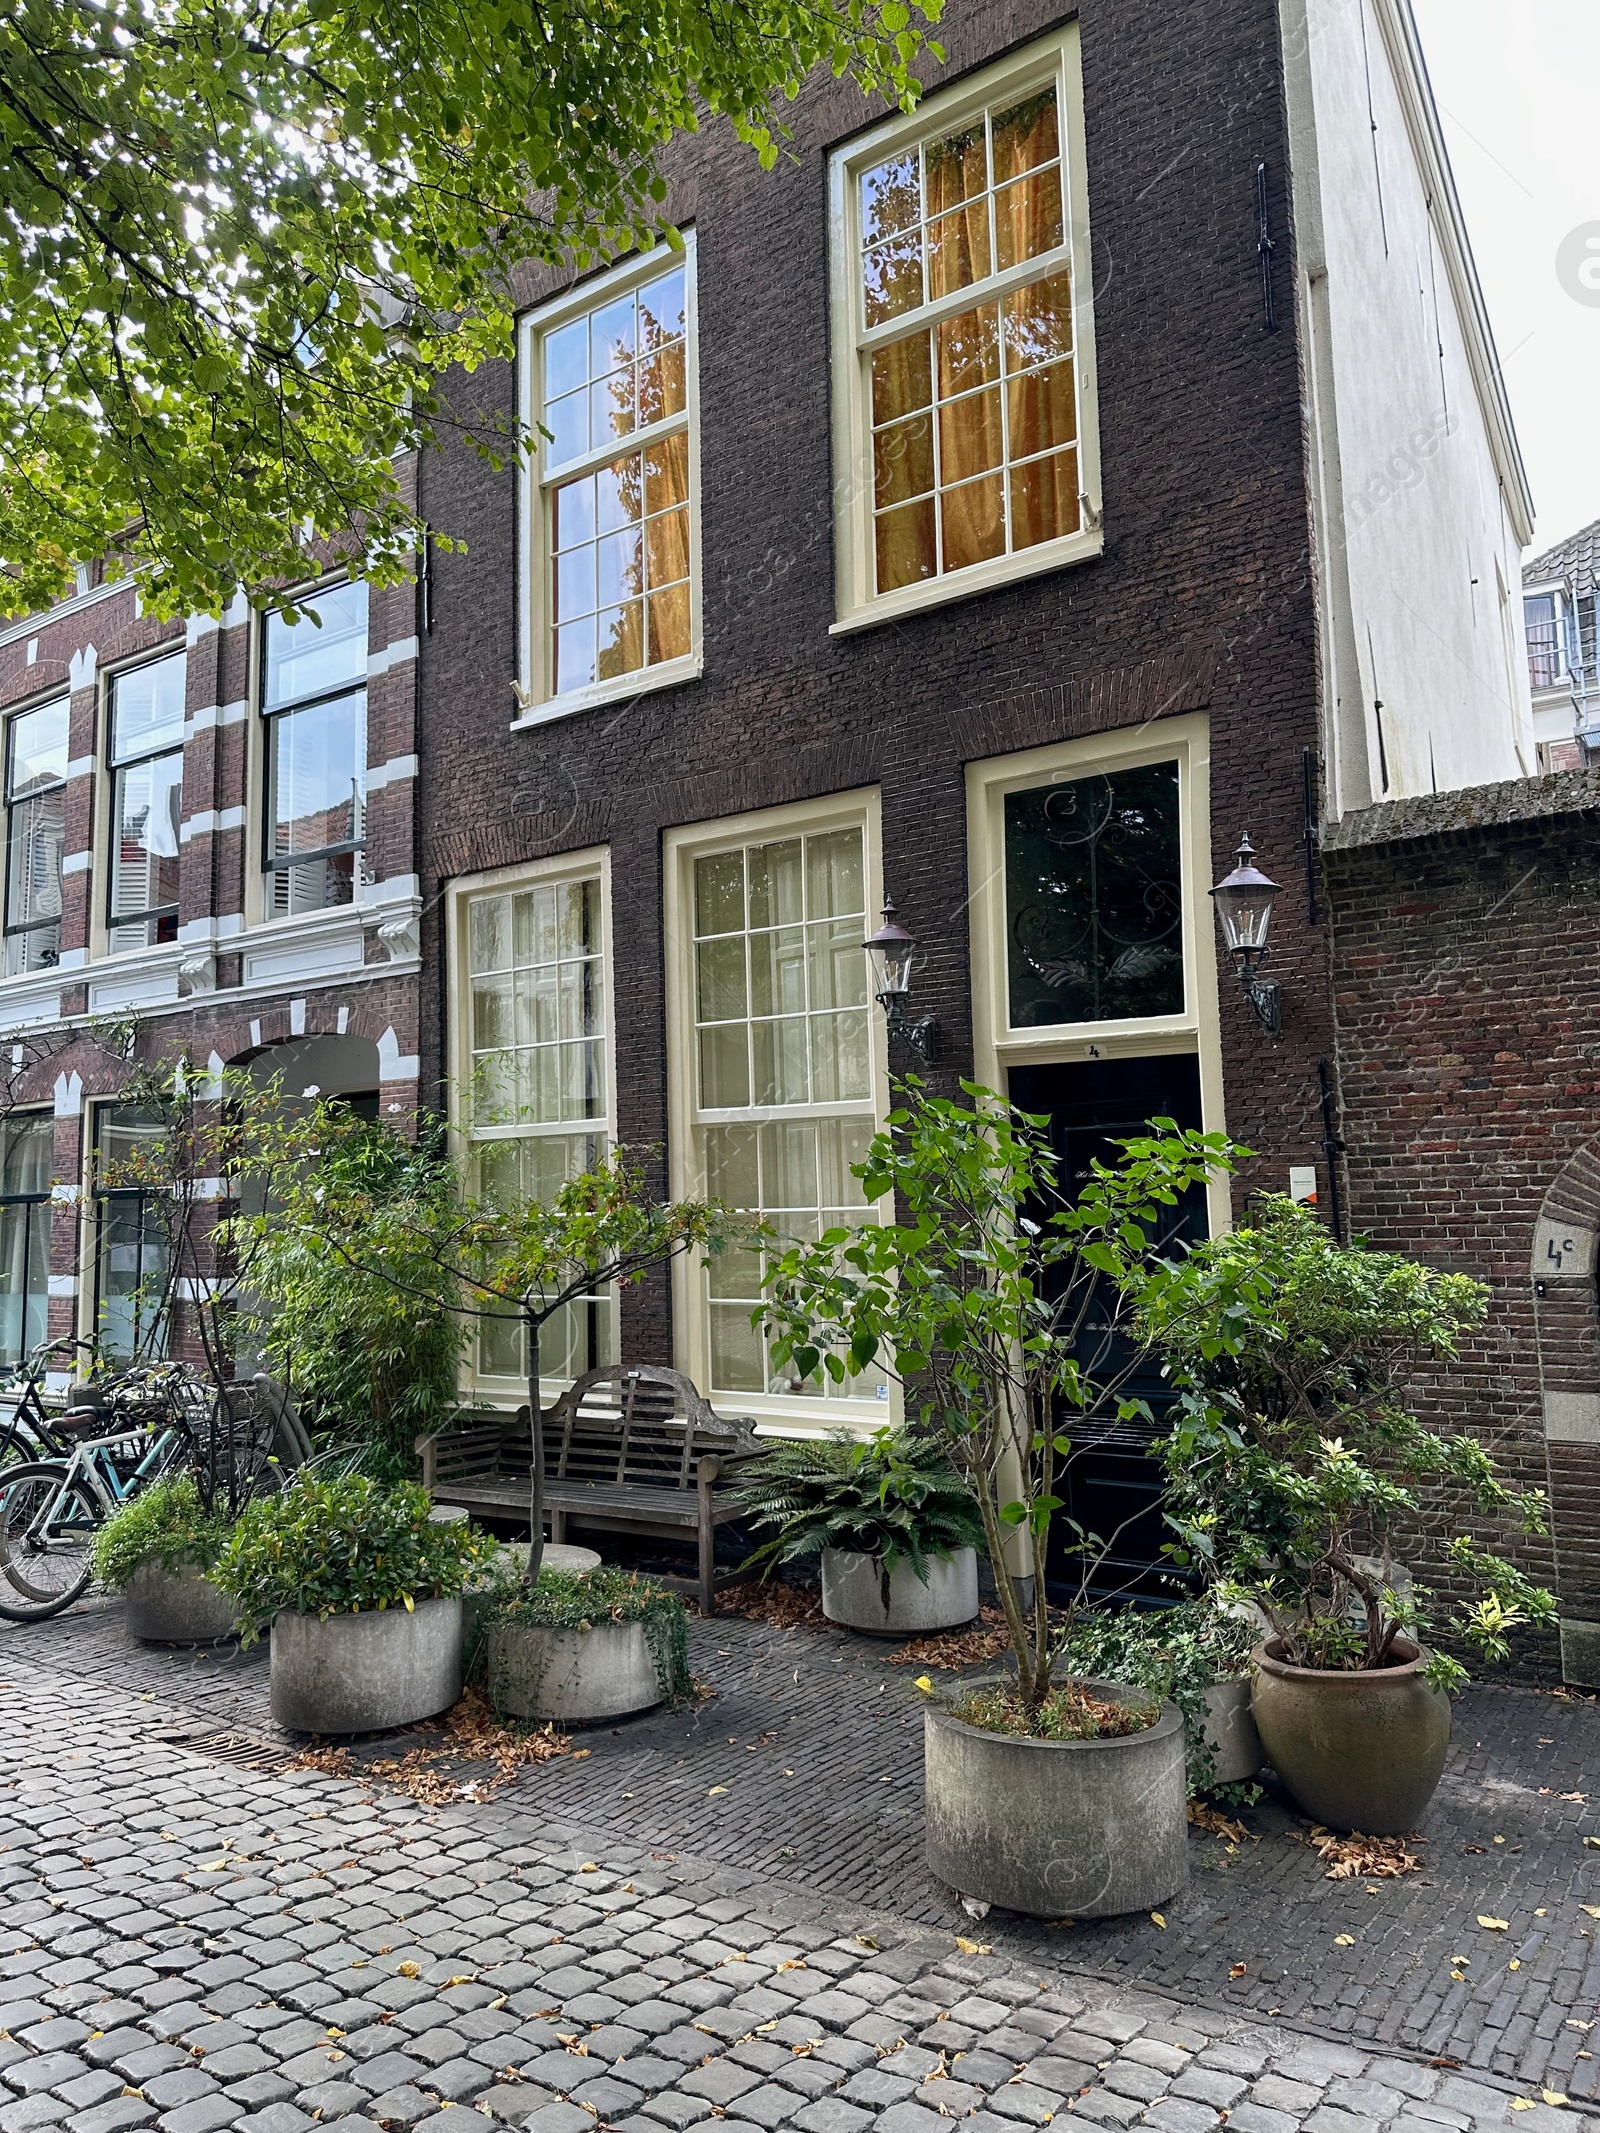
column 1075, row 1829
column 1358, row 1751
column 363, row 1673
column 577, row 1676
column 1236, row 1751
column 852, row 1593
column 179, row 1606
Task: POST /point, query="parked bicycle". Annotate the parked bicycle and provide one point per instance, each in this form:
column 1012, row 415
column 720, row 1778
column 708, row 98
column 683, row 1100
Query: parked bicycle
column 153, row 1421
column 30, row 1430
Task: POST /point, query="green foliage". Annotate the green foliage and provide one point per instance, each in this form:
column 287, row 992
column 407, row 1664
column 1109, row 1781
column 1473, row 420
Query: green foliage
column 1177, row 1653
column 165, row 1524
column 995, row 1300
column 373, row 1344
column 1066, row 1713
column 341, row 1547
column 893, row 1496
column 1295, row 1456
column 582, row 1599
column 244, row 245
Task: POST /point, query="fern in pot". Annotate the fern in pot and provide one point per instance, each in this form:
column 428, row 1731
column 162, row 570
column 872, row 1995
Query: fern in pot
column 894, row 1524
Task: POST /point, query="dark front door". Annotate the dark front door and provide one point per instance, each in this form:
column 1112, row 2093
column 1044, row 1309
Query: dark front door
column 1113, row 1485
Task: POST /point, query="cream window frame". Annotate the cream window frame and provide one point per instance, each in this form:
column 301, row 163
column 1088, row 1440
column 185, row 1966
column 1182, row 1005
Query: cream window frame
column 537, row 699
column 57, row 695
column 858, row 605
column 591, row 864
column 997, row 1045
column 783, row 1415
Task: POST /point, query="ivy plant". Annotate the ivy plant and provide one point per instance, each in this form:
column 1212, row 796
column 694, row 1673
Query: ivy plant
column 586, row 1599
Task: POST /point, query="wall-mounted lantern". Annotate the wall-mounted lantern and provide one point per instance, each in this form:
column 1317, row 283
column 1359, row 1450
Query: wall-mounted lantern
column 1244, row 903
column 889, row 955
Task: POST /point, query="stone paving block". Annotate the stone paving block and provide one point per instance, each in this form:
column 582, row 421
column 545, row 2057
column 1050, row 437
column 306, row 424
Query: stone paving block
column 827, row 2114
column 96, row 2086
column 1277, row 2093
column 876, row 2089
column 559, row 2118
column 403, row 2106
column 1208, row 2084
column 1234, row 2058
column 988, row 2070
column 1149, row 2051
column 1105, row 2108
column 185, row 2084
column 284, row 2118
column 61, row 2034
column 673, row 2109
column 118, row 2116
column 1176, row 2114
column 205, row 2116
column 1329, row 2118
column 31, row 2077
column 719, row 2083
column 1025, row 2103
column 1256, row 2118
column 389, row 2070
column 1065, row 2075
column 911, row 2118
column 31, row 2112
column 453, row 2120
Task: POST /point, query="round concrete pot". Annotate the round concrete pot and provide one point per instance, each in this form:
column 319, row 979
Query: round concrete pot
column 1236, row 1751
column 578, row 1676
column 179, row 1606
column 852, row 1593
column 363, row 1673
column 1076, row 1829
column 1358, row 1751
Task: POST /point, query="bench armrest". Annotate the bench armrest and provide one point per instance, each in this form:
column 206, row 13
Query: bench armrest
column 426, row 1450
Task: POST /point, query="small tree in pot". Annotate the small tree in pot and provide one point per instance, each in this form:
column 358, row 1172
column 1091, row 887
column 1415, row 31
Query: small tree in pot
column 1293, row 1461
column 1005, row 1310
column 894, row 1523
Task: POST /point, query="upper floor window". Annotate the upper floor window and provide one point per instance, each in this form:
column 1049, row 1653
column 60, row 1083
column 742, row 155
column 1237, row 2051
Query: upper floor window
column 314, row 704
column 535, row 1103
column 610, row 379
column 144, row 752
column 1542, row 620
column 965, row 417
column 36, row 836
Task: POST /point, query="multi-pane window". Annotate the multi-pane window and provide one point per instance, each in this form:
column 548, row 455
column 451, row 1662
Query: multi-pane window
column 535, row 1107
column 958, row 347
column 1541, row 617
column 26, row 1152
column 782, row 1067
column 1094, row 898
column 36, row 835
column 132, row 1252
column 314, row 703
column 144, row 748
column 614, row 502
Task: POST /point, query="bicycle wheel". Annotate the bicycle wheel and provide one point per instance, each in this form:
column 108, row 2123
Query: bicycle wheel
column 48, row 1520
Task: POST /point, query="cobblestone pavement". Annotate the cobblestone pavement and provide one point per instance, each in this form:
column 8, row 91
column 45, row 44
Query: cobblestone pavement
column 803, row 1773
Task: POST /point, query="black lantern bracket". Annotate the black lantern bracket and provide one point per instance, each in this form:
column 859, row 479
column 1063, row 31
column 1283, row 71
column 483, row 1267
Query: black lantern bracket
column 890, row 952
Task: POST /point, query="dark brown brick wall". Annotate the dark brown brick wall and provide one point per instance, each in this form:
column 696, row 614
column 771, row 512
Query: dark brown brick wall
column 1467, row 983
column 1202, row 600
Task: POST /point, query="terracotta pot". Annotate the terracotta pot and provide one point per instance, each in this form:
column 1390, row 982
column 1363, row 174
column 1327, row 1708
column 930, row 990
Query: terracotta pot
column 1357, row 1751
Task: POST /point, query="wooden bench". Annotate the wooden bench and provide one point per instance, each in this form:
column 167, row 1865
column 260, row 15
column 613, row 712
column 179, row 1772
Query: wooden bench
column 627, row 1449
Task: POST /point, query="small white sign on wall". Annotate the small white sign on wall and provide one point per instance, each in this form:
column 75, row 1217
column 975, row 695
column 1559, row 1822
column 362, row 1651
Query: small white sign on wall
column 1564, row 1248
column 1303, row 1182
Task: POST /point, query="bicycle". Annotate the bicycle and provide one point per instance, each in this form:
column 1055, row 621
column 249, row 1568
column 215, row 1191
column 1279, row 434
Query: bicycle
column 32, row 1430
column 160, row 1419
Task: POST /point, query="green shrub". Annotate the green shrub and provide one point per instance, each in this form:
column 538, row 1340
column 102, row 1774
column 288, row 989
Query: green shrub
column 339, row 1547
column 167, row 1524
column 1069, row 1712
column 893, row 1496
column 1174, row 1652
column 583, row 1599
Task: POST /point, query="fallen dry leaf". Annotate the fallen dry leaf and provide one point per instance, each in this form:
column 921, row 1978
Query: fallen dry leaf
column 1494, row 1925
column 1238, row 1970
column 1357, row 1856
column 1204, row 1816
column 1522, row 2103
column 411, row 1970
column 1344, row 1940
column 472, row 1734
column 1156, row 1919
column 973, row 1947
column 1555, row 2096
column 782, row 1606
column 952, row 1648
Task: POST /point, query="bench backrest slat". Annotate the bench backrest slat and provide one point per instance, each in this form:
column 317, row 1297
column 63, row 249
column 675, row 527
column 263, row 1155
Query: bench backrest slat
column 645, row 1425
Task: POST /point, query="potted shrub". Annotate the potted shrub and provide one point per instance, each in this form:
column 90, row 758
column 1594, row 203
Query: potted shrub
column 1003, row 1309
column 362, row 1592
column 1294, row 1463
column 158, row 1551
column 582, row 1646
column 1195, row 1654
column 896, row 1527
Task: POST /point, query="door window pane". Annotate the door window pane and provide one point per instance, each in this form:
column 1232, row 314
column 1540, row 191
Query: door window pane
column 26, row 1154
column 1094, row 898
column 131, row 1246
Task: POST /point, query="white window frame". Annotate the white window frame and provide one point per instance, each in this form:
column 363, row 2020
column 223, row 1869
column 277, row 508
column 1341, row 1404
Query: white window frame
column 997, row 1045
column 105, row 813
column 591, row 864
column 49, row 971
column 536, row 694
column 777, row 1414
column 858, row 605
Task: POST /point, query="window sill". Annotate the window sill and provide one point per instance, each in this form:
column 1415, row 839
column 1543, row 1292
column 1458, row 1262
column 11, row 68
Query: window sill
column 670, row 674
column 970, row 584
